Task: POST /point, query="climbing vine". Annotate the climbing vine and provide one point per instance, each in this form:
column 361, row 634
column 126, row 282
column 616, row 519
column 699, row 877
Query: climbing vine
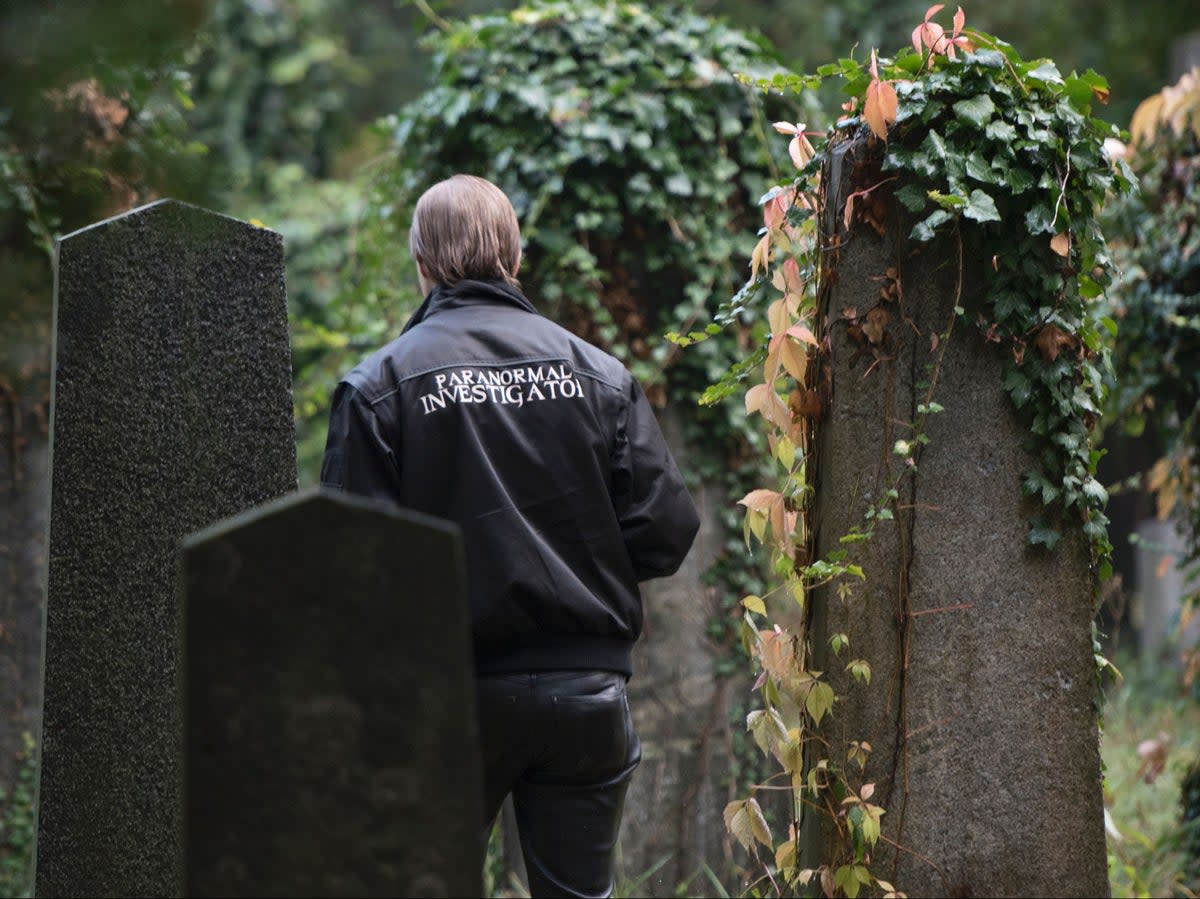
column 999, row 156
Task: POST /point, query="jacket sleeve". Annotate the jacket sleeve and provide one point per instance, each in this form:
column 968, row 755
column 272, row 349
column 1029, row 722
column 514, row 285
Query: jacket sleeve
column 358, row 457
column 657, row 516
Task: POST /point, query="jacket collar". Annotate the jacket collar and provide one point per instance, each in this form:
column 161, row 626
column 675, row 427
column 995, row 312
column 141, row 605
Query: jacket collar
column 468, row 293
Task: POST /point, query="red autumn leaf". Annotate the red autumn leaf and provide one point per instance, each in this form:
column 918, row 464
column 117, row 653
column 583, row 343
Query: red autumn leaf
column 881, row 104
column 802, row 333
column 760, row 500
column 805, row 403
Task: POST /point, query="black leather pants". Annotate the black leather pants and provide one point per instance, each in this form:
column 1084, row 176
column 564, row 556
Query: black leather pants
column 562, row 743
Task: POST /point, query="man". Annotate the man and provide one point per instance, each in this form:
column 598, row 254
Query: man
column 543, row 449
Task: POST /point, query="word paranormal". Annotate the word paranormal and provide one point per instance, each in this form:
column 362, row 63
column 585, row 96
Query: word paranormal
column 504, row 386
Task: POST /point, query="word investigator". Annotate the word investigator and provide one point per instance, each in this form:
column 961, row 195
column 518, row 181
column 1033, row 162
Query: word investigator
column 514, row 386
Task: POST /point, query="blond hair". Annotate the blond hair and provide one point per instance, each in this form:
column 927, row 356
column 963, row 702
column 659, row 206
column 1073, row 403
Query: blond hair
column 465, row 227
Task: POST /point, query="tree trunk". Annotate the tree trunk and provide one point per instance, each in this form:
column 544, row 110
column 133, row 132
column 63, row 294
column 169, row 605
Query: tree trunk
column 981, row 710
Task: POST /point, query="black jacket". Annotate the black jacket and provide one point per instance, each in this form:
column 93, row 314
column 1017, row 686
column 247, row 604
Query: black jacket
column 545, row 452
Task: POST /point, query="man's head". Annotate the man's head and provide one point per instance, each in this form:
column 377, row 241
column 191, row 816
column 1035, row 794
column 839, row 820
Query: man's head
column 465, row 227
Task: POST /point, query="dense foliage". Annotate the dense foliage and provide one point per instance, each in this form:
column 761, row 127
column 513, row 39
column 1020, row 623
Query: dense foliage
column 628, row 148
column 1156, row 301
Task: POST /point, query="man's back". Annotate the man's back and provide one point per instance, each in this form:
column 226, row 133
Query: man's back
column 519, row 431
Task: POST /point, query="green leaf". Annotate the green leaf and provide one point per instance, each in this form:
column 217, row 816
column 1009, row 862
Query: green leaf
column 913, row 196
column 1002, row 131
column 1041, row 534
column 924, row 230
column 977, row 110
column 1095, row 491
column 679, row 184
column 850, row 878
column 1047, row 73
column 819, row 701
column 981, row 207
column 860, row 669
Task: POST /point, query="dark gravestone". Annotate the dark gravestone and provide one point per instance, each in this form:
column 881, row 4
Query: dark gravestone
column 331, row 739
column 172, row 410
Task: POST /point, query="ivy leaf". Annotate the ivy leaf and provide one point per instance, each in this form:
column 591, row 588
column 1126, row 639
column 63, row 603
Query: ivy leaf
column 924, row 230
column 1094, row 490
column 912, row 196
column 1040, row 533
column 1000, row 130
column 1047, row 73
column 981, row 207
column 977, row 110
column 679, row 184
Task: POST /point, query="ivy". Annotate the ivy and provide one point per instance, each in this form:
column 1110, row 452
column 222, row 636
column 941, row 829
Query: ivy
column 627, row 146
column 1004, row 156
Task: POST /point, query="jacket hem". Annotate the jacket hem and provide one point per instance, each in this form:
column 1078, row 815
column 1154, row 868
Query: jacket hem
column 556, row 652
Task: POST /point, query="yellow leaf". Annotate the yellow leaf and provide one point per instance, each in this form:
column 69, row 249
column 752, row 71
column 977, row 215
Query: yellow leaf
column 777, row 317
column 756, row 604
column 760, row 258
column 737, row 821
column 758, row 824
column 785, row 855
column 785, row 451
column 1146, row 118
column 794, row 360
column 1061, row 244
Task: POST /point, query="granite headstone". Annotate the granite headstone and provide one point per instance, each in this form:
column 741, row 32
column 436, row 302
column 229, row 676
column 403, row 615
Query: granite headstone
column 331, row 739
column 172, row 409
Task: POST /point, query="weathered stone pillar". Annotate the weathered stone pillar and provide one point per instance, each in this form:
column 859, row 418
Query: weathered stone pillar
column 681, row 709
column 981, row 709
